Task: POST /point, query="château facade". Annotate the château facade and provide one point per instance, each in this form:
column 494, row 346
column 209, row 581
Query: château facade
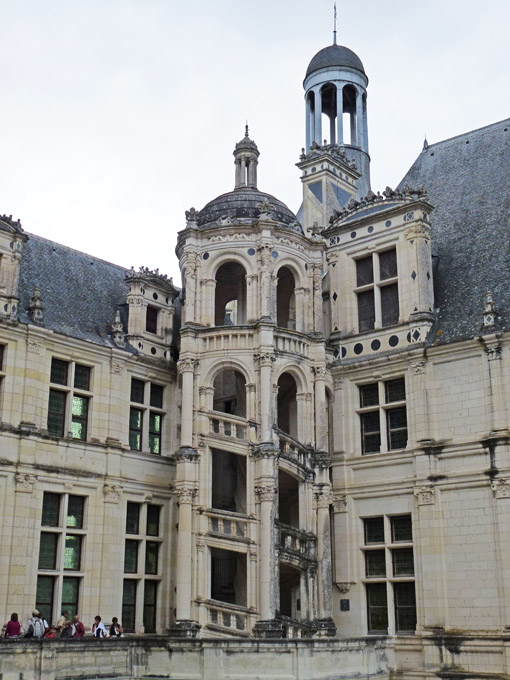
column 309, row 441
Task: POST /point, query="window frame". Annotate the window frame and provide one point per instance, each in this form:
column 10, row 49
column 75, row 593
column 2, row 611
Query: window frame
column 150, row 438
column 68, row 393
column 384, row 410
column 375, row 287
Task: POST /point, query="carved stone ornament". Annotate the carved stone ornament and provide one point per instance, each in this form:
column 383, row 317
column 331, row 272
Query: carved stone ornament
column 425, row 495
column 118, row 335
column 493, row 350
column 192, row 215
column 417, row 231
column 340, row 503
column 501, row 488
column 264, row 358
column 344, row 587
column 191, row 262
column 419, row 367
column 489, row 313
column 324, row 500
column 117, row 367
column 266, row 492
column 187, row 365
column 36, row 307
column 25, row 482
column 264, row 450
column 266, row 209
column 111, row 493
column 320, row 371
column 186, row 494
column 186, row 454
column 33, row 346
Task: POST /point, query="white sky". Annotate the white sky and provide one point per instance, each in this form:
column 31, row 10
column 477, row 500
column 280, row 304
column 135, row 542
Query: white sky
column 118, row 115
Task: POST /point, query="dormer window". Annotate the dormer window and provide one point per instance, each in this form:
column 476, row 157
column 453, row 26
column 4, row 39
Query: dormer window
column 151, row 320
column 377, row 290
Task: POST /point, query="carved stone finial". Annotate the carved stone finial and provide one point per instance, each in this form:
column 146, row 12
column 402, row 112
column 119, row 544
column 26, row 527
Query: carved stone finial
column 36, row 307
column 118, row 335
column 489, row 313
column 266, row 209
column 192, row 216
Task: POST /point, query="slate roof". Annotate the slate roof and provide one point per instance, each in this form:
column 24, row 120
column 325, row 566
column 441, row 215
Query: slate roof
column 335, row 55
column 80, row 293
column 468, row 182
column 243, row 203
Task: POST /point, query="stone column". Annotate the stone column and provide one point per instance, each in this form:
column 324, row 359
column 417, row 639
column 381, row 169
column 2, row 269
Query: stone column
column 243, row 173
column 499, row 418
column 251, row 298
column 185, row 491
column 266, row 292
column 187, row 367
column 339, row 114
column 320, row 408
column 266, row 360
column 238, row 172
column 317, row 297
column 308, row 123
column 317, row 127
column 191, row 314
column 208, row 289
column 323, row 498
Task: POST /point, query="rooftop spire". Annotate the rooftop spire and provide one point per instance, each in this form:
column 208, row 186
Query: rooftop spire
column 334, row 26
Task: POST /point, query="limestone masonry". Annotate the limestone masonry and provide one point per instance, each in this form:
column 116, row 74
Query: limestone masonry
column 297, row 466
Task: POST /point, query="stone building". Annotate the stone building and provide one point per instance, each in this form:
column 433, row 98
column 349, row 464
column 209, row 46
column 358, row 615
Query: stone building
column 309, row 440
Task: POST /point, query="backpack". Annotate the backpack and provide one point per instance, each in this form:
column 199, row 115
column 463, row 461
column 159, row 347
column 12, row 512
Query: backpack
column 38, row 627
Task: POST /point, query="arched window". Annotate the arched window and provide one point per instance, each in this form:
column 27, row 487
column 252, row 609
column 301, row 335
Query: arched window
column 287, row 405
column 286, row 299
column 230, row 296
column 230, row 393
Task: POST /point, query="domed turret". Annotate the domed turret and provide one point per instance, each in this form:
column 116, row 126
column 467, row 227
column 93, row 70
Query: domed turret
column 336, row 56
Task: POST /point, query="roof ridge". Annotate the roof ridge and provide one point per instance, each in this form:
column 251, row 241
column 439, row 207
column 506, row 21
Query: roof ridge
column 469, row 133
column 74, row 250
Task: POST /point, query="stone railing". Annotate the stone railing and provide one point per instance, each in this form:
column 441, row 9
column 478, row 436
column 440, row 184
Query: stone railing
column 226, row 425
column 226, row 338
column 291, row 341
column 227, row 616
column 293, row 451
column 296, row 545
column 228, row 525
column 294, row 630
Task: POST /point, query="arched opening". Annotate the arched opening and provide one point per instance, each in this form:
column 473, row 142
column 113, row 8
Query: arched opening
column 286, row 299
column 349, row 114
column 290, row 579
column 287, row 405
column 230, row 296
column 230, row 393
column 310, row 136
column 328, row 98
column 288, row 499
column 228, row 483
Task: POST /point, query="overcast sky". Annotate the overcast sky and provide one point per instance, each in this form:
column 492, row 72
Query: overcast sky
column 118, row 115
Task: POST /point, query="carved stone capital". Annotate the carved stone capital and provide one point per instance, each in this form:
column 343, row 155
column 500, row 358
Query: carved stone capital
column 25, row 482
column 116, row 367
column 187, row 365
column 340, row 502
column 264, row 450
column 501, row 488
column 186, row 494
column 345, row 586
column 264, row 358
column 425, row 495
column 111, row 493
column 320, row 371
column 186, row 454
column 417, row 231
column 323, row 499
column 266, row 492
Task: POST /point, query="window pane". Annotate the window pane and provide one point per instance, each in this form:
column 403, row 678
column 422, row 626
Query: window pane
column 389, row 305
column 156, row 396
column 81, row 377
column 50, row 509
column 137, row 387
column 59, row 370
column 151, row 557
column 395, row 390
column 155, row 432
column 403, row 562
column 388, row 264
column 405, row 607
column 366, row 311
column 149, row 606
column 56, row 413
column 133, row 518
column 151, row 319
column 397, row 428
column 131, row 557
column 72, row 553
column 75, row 507
column 401, row 528
column 44, row 596
column 370, row 433
column 79, row 412
column 129, row 606
column 2, row 350
column 70, row 590
column 48, row 551
column 364, row 271
column 374, row 530
column 153, row 512
column 135, row 429
column 369, row 395
column 375, row 563
column 377, row 605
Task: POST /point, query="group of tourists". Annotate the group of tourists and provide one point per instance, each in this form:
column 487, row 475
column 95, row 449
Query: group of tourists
column 65, row 628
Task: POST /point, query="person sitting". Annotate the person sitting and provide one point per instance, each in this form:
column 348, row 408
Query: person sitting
column 13, row 627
